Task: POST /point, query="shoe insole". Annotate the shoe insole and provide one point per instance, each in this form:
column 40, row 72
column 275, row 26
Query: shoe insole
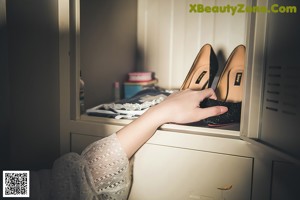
column 199, row 79
column 230, row 89
column 230, row 85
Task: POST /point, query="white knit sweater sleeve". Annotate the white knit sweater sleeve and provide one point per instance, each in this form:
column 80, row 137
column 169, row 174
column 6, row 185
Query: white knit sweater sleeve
column 108, row 168
column 101, row 172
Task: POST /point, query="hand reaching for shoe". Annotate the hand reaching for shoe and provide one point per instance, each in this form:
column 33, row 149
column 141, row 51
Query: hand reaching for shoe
column 184, row 107
column 180, row 107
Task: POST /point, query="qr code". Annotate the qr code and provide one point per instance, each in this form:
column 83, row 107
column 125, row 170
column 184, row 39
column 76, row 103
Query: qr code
column 16, row 183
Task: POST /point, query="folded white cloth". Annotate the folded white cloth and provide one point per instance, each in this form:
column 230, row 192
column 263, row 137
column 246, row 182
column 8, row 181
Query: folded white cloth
column 132, row 107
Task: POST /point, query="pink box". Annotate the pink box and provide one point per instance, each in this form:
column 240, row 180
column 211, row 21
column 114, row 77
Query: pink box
column 140, row 76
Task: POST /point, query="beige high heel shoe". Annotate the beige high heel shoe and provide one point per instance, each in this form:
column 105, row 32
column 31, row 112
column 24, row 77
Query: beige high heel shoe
column 229, row 90
column 230, row 85
column 203, row 70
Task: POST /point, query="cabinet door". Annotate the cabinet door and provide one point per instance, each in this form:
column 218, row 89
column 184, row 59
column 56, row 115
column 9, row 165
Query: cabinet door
column 162, row 172
column 285, row 181
column 281, row 111
column 272, row 93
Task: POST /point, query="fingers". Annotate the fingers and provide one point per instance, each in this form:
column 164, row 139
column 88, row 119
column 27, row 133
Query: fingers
column 211, row 111
column 208, row 93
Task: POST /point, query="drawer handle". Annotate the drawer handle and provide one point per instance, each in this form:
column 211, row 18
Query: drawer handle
column 227, row 187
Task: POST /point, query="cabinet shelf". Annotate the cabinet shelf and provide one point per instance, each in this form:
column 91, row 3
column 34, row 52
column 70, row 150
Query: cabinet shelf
column 229, row 131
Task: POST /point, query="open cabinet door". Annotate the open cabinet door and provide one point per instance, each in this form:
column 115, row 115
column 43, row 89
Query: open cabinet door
column 280, row 109
column 272, row 95
column 273, row 98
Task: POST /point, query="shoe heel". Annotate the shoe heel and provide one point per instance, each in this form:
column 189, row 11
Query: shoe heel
column 214, row 66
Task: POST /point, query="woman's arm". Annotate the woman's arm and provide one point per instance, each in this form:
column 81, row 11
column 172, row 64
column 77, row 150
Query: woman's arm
column 181, row 107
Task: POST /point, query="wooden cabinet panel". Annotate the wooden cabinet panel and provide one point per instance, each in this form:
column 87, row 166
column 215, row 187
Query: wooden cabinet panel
column 170, row 36
column 162, row 172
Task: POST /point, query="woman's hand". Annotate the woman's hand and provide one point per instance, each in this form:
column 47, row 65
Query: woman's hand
column 184, row 107
column 180, row 107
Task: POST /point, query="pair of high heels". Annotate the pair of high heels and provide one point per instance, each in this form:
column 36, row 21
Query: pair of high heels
column 229, row 89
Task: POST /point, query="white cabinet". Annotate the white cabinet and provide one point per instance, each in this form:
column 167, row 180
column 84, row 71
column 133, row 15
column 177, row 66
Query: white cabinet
column 164, row 172
column 184, row 162
column 187, row 166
